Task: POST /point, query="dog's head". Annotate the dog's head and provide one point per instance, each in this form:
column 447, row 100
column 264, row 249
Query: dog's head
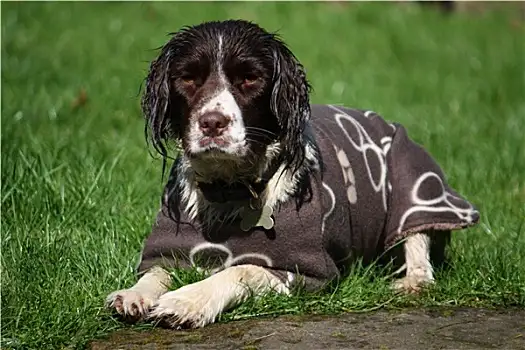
column 230, row 91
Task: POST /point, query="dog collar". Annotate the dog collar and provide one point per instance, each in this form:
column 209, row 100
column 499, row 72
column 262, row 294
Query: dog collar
column 253, row 214
column 221, row 192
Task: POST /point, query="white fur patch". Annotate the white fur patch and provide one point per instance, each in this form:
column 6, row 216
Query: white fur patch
column 223, row 102
column 419, row 271
column 200, row 303
column 219, row 52
column 417, row 255
column 284, row 181
column 136, row 301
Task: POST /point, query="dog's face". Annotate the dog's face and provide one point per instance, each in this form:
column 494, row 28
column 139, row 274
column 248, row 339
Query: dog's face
column 227, row 90
column 223, row 81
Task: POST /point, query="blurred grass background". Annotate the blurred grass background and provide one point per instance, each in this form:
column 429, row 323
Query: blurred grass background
column 80, row 190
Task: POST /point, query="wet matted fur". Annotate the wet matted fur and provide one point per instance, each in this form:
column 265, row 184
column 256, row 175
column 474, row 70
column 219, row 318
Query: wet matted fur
column 269, row 191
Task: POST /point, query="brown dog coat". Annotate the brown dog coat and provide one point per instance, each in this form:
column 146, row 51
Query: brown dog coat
column 375, row 188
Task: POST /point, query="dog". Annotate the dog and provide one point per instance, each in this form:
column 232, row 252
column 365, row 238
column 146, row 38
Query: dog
column 269, row 192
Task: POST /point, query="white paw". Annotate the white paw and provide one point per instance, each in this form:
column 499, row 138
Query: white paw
column 192, row 306
column 130, row 304
column 412, row 283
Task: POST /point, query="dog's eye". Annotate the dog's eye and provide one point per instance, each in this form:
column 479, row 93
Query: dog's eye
column 188, row 79
column 191, row 80
column 249, row 80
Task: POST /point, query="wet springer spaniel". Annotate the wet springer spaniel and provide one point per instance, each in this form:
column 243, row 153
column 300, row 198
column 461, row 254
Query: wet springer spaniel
column 270, row 192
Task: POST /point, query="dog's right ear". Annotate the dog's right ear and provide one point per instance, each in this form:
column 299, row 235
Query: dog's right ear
column 156, row 104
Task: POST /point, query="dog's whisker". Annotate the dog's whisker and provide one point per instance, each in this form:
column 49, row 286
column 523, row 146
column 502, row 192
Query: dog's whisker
column 266, row 137
column 260, row 130
column 255, row 141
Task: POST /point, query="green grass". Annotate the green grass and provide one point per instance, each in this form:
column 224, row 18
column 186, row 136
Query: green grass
column 80, row 190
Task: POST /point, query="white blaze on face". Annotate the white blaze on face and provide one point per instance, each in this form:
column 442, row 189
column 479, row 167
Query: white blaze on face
column 222, row 101
column 225, row 103
column 219, row 52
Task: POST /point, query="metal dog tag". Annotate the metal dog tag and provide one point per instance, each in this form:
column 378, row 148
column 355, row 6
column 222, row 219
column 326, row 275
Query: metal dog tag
column 254, row 217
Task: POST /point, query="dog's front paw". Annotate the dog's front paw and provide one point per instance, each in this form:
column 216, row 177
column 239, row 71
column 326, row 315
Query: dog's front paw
column 131, row 305
column 411, row 284
column 188, row 307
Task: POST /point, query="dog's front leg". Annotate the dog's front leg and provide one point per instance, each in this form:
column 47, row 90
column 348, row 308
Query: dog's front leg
column 134, row 303
column 199, row 304
column 419, row 271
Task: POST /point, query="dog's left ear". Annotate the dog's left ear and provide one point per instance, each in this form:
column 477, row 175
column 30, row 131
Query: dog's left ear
column 290, row 101
column 156, row 102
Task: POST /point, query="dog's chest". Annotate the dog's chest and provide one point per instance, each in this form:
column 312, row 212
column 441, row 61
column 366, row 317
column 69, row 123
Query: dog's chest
column 295, row 242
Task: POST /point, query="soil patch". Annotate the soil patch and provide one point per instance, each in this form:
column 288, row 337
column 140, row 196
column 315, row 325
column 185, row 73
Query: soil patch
column 414, row 329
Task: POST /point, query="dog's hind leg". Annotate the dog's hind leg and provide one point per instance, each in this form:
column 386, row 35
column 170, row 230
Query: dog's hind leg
column 134, row 303
column 419, row 270
column 198, row 304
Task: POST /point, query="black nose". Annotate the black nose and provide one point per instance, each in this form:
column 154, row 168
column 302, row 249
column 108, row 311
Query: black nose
column 213, row 123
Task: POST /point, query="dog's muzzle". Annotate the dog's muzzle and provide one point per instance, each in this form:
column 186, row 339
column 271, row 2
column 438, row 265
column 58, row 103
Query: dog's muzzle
column 213, row 125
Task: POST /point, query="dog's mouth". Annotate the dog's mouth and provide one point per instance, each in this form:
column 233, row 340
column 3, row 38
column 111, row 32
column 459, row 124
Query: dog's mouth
column 214, row 142
column 221, row 147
